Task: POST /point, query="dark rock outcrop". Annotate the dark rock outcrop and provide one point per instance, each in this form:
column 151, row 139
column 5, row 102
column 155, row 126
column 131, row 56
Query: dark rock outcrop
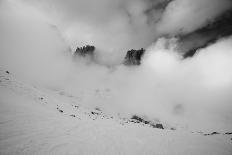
column 85, row 51
column 213, row 133
column 211, row 33
column 133, row 57
column 160, row 126
column 72, row 115
column 137, row 119
column 61, row 111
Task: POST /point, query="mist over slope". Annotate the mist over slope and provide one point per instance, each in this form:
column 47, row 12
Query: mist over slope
column 35, row 120
column 193, row 92
column 135, row 90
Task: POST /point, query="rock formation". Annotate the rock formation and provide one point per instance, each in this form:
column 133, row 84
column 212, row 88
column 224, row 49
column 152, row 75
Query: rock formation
column 138, row 119
column 133, row 57
column 85, row 51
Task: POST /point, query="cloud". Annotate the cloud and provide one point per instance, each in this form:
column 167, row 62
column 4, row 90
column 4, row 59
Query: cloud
column 193, row 91
column 110, row 25
column 185, row 16
column 200, row 84
column 29, row 46
column 115, row 26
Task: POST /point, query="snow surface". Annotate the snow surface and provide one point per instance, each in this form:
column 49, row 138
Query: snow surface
column 35, row 121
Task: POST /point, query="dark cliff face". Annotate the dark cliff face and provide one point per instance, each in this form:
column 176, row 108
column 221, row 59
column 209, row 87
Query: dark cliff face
column 133, row 57
column 85, row 51
column 221, row 27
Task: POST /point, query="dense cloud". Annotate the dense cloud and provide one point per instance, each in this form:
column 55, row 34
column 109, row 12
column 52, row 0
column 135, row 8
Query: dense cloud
column 115, row 26
column 201, row 85
column 185, row 16
column 194, row 93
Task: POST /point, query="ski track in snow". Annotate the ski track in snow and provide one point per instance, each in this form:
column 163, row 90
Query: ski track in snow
column 33, row 121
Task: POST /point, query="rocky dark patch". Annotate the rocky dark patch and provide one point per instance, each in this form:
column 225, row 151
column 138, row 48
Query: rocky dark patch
column 160, row 126
column 73, row 115
column 85, row 51
column 7, row 72
column 61, row 111
column 213, row 133
column 228, row 133
column 95, row 113
column 137, row 119
column 133, row 57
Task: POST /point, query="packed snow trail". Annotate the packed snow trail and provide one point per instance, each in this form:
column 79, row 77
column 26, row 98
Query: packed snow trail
column 35, row 122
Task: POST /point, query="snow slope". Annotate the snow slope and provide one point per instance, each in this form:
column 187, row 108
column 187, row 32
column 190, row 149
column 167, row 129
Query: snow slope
column 33, row 121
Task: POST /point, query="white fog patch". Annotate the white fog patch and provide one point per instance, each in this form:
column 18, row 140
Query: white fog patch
column 200, row 84
column 29, row 46
column 185, row 16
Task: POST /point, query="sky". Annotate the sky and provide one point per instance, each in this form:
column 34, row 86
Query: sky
column 38, row 38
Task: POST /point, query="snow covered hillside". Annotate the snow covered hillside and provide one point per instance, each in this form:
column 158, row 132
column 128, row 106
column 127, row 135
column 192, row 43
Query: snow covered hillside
column 38, row 121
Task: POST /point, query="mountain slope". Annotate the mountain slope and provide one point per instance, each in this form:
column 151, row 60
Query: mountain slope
column 33, row 121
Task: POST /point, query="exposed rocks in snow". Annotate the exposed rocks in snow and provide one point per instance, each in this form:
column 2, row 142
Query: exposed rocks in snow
column 85, row 51
column 160, row 126
column 213, row 133
column 137, row 119
column 95, row 113
column 61, row 111
column 72, row 115
column 133, row 57
column 79, row 112
column 28, row 128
